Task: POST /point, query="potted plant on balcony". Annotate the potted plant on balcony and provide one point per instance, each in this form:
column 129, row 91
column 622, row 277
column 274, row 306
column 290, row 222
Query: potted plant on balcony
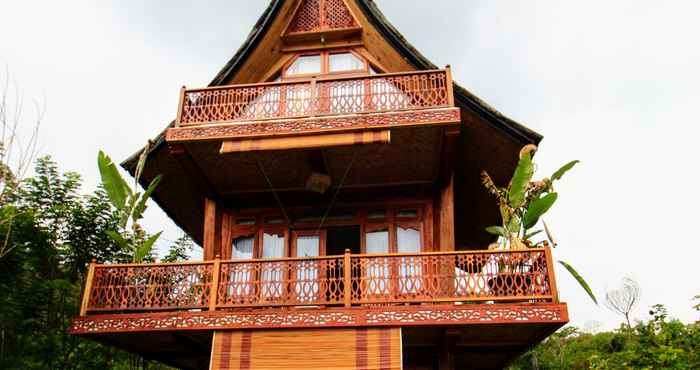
column 522, row 203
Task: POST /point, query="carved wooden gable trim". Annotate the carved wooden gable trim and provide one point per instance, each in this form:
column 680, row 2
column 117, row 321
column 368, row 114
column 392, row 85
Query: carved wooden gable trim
column 321, row 15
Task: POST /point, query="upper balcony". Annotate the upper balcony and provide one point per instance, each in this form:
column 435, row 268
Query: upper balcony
column 315, row 106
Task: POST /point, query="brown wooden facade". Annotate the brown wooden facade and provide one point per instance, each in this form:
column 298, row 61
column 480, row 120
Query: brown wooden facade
column 331, row 175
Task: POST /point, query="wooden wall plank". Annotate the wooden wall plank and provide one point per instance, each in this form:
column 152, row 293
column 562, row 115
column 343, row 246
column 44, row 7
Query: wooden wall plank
column 333, row 349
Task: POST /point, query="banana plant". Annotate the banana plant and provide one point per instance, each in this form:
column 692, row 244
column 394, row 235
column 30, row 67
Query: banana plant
column 130, row 204
column 522, row 204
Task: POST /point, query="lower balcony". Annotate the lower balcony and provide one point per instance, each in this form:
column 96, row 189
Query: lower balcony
column 159, row 310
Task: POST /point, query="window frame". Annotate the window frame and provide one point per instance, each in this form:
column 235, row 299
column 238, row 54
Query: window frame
column 325, row 65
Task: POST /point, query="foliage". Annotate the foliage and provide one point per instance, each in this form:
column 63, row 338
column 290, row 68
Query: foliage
column 659, row 343
column 130, row 206
column 180, row 250
column 522, row 203
column 56, row 232
column 697, row 306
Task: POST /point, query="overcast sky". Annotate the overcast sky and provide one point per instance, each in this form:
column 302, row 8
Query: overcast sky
column 612, row 83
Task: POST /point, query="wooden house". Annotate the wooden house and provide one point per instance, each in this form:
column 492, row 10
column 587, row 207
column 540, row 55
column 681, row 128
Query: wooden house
column 330, row 173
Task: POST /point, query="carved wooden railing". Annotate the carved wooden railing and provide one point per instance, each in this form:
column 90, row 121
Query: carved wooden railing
column 316, row 97
column 347, row 280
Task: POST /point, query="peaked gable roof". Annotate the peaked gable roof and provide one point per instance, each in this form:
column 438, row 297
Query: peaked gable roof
column 463, row 97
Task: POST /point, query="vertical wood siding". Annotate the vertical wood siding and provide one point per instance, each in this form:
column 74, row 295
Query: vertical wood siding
column 333, row 349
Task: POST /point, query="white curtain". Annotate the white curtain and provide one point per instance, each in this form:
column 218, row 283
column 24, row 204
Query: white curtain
column 410, row 270
column 272, row 272
column 241, row 275
column 344, row 62
column 305, row 64
column 377, row 269
column 307, row 286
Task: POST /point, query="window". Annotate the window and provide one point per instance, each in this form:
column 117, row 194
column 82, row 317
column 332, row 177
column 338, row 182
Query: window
column 241, row 273
column 345, row 62
column 325, row 62
column 410, row 269
column 272, row 272
column 305, row 64
column 377, row 269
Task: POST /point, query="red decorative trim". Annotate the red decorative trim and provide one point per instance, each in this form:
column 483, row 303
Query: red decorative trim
column 254, row 129
column 555, row 313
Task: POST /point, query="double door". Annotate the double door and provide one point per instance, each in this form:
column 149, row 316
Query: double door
column 272, row 279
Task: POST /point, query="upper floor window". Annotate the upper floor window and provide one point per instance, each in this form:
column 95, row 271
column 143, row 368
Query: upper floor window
column 324, row 63
column 304, row 65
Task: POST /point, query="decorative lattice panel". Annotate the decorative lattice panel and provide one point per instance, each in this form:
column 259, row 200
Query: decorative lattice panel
column 337, row 15
column 150, row 287
column 317, row 15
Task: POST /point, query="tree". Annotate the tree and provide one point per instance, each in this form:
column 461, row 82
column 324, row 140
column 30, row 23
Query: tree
column 623, row 299
column 56, row 232
column 180, row 250
column 16, row 154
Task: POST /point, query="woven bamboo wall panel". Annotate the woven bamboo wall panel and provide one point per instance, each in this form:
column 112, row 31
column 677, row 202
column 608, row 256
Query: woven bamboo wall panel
column 334, row 349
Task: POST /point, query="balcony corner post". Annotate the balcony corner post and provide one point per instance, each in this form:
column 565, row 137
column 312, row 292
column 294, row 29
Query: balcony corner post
column 450, row 86
column 550, row 274
column 180, row 106
column 88, row 288
column 214, row 289
column 347, row 278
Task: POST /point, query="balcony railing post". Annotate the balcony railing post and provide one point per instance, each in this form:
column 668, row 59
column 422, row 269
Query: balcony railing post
column 449, row 86
column 314, row 99
column 88, row 288
column 550, row 274
column 347, row 278
column 180, row 107
column 214, row 289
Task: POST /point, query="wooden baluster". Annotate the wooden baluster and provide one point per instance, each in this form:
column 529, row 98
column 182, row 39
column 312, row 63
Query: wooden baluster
column 550, row 274
column 214, row 288
column 88, row 288
column 347, row 278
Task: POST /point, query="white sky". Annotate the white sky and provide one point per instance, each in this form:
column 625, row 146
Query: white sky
column 612, row 83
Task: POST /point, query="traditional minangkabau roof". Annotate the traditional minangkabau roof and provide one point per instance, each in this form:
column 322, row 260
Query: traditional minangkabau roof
column 463, row 98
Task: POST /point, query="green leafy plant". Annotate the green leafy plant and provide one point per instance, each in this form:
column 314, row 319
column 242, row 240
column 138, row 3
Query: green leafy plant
column 522, row 204
column 130, row 205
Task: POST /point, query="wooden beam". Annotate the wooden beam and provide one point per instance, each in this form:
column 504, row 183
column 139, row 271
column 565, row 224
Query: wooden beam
column 448, row 155
column 209, row 229
column 306, row 142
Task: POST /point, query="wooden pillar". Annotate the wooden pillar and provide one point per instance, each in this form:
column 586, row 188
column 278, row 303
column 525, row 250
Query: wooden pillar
column 446, row 227
column 209, row 241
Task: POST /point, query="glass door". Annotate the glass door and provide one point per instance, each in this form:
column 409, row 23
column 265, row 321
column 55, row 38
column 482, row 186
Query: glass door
column 377, row 270
column 272, row 272
column 307, row 244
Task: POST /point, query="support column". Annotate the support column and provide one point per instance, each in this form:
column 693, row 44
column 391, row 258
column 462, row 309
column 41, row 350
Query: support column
column 209, row 239
column 446, row 212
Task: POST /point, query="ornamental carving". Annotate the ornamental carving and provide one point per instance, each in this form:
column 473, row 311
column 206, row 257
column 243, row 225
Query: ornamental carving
column 266, row 128
column 330, row 317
